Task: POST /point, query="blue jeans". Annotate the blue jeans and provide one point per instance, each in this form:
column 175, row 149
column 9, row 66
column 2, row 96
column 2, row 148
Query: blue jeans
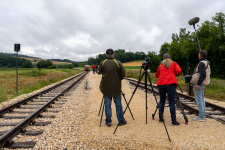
column 171, row 92
column 108, row 109
column 199, row 97
column 93, row 70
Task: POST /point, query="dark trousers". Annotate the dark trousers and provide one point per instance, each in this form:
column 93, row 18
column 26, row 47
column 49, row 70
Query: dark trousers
column 171, row 92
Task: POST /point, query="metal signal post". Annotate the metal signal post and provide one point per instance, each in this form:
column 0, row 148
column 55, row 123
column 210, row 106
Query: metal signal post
column 16, row 49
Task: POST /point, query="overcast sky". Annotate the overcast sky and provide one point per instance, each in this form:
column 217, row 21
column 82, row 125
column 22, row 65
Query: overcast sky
column 78, row 29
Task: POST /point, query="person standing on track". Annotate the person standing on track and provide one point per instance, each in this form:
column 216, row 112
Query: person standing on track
column 112, row 72
column 93, row 68
column 167, row 83
column 200, row 79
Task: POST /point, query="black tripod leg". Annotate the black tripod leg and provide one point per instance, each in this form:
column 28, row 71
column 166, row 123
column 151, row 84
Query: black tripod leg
column 102, row 113
column 100, row 107
column 134, row 91
column 153, row 115
column 131, row 98
column 164, row 125
column 159, row 109
column 181, row 108
column 127, row 106
column 146, row 96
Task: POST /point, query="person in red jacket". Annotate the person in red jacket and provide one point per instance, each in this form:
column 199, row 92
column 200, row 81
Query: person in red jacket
column 167, row 83
column 93, row 68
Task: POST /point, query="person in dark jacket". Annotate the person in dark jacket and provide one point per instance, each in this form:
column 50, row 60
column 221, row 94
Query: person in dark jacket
column 200, row 79
column 167, row 83
column 96, row 68
column 112, row 72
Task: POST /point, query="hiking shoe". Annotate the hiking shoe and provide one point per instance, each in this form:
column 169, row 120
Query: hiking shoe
column 198, row 119
column 160, row 120
column 122, row 123
column 176, row 123
column 108, row 124
column 195, row 118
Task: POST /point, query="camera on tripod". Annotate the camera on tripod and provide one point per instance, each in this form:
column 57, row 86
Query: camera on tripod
column 147, row 63
column 188, row 78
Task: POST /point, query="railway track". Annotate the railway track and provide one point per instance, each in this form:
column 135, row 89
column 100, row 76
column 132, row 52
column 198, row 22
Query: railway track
column 189, row 104
column 25, row 113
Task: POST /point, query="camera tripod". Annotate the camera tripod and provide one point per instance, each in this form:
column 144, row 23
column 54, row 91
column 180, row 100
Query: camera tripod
column 145, row 66
column 179, row 105
column 102, row 107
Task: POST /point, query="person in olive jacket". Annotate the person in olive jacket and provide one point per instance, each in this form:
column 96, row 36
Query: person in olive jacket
column 112, row 72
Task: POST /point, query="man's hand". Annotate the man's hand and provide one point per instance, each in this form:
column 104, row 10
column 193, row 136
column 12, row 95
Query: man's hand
column 197, row 87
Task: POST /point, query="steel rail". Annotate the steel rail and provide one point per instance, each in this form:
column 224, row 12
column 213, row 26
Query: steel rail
column 6, row 139
column 191, row 98
column 24, row 101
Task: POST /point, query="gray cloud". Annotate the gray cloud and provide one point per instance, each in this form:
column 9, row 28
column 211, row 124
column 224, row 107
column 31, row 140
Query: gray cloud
column 79, row 29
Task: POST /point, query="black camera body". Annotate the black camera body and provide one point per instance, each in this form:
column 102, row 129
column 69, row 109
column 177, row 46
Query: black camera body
column 147, row 63
column 188, row 78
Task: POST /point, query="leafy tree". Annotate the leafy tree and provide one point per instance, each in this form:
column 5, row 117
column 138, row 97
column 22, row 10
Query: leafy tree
column 175, row 37
column 99, row 58
column 91, row 61
column 220, row 19
column 44, row 63
column 164, row 49
column 154, row 59
column 75, row 64
column 184, row 47
column 27, row 64
column 41, row 64
column 49, row 63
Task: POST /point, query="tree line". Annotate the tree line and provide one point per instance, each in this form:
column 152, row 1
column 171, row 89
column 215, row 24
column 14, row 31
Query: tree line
column 184, row 47
column 7, row 60
column 120, row 54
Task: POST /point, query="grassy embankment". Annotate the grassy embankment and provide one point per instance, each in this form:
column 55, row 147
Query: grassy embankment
column 30, row 80
column 216, row 89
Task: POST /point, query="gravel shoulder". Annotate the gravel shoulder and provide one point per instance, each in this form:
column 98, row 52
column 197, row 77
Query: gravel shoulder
column 77, row 125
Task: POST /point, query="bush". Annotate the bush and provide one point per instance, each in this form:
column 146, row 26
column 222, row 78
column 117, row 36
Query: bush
column 51, row 67
column 27, row 64
column 9, row 65
column 44, row 63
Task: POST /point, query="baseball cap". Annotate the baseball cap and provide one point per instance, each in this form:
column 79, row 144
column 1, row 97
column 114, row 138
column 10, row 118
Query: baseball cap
column 109, row 51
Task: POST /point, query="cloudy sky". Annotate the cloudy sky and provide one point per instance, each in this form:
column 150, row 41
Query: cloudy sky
column 78, row 29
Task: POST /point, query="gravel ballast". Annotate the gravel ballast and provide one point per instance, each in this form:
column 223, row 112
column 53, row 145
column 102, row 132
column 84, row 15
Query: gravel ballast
column 76, row 126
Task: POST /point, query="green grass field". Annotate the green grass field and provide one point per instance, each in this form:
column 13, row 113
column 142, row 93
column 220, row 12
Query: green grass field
column 30, row 80
column 139, row 61
column 58, row 64
column 132, row 67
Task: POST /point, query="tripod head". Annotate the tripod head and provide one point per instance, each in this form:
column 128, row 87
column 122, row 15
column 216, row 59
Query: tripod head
column 146, row 64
